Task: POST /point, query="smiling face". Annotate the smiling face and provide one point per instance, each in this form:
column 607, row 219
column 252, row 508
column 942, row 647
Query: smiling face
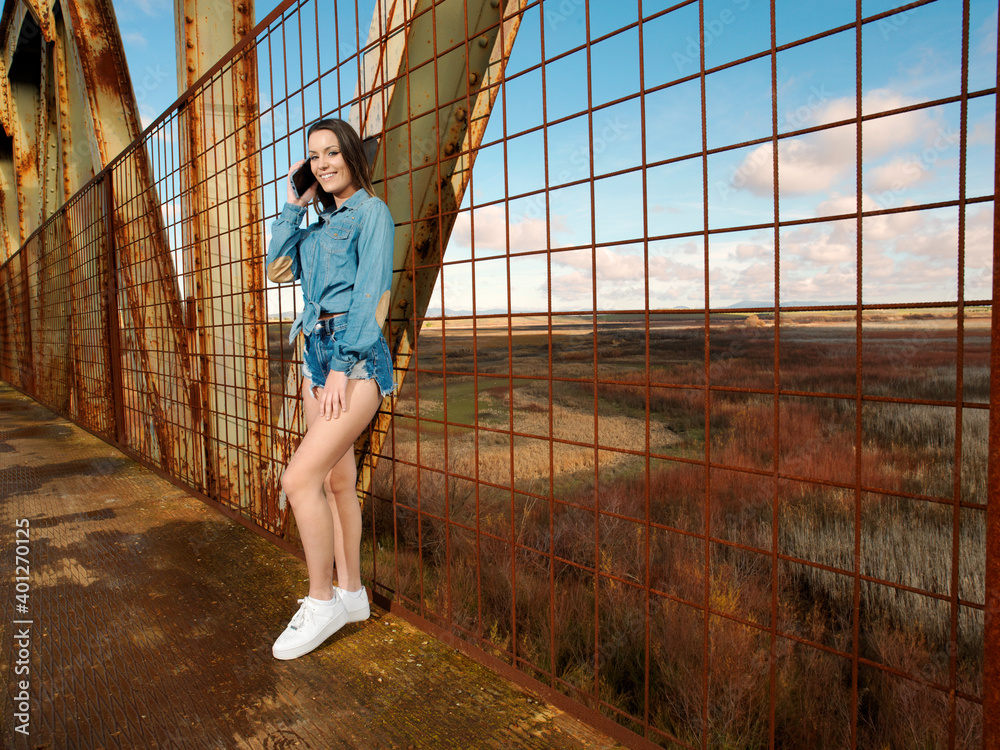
column 328, row 164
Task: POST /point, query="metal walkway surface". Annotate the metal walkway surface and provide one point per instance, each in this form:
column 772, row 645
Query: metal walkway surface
column 147, row 620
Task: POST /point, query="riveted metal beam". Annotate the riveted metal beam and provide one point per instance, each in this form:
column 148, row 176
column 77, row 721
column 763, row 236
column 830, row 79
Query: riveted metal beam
column 222, row 233
column 24, row 74
column 154, row 342
column 430, row 91
column 78, row 160
column 9, row 237
column 42, row 98
column 73, row 165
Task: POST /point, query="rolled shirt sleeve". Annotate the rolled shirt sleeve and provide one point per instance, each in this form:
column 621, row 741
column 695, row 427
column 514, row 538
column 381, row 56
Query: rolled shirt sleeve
column 285, row 237
column 373, row 279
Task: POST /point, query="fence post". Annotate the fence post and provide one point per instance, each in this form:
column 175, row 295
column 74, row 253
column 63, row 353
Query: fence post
column 27, row 373
column 113, row 329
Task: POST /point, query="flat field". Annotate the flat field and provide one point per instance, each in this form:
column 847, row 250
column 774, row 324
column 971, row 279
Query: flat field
column 813, row 477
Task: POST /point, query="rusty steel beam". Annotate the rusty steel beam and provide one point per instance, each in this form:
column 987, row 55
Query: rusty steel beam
column 67, row 107
column 50, row 151
column 44, row 140
column 17, row 365
column 154, row 355
column 23, row 64
column 77, row 155
column 100, row 58
column 55, row 356
column 74, row 165
column 11, row 238
column 222, row 230
column 29, row 61
column 9, row 242
column 435, row 110
column 50, row 304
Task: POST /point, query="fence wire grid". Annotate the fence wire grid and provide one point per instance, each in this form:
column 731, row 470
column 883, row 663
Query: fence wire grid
column 692, row 325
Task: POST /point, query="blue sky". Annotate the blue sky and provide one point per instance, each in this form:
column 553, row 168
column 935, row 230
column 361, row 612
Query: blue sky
column 908, row 158
column 147, row 29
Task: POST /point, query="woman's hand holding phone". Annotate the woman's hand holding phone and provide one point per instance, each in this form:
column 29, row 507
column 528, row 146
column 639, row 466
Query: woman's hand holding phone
column 305, row 198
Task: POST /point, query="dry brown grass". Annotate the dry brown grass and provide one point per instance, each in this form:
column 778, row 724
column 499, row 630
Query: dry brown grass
column 530, row 460
column 908, row 447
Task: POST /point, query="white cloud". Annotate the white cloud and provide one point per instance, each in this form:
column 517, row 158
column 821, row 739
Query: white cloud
column 898, row 174
column 574, row 287
column 911, row 257
column 893, row 226
column 835, row 284
column 821, row 245
column 818, row 162
column 492, row 227
column 907, row 257
column 621, row 279
column 979, row 237
column 979, row 253
column 149, row 7
column 750, row 251
column 135, row 38
column 620, row 266
column 982, row 133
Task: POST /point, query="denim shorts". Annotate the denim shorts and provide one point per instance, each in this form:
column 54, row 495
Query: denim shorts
column 319, row 348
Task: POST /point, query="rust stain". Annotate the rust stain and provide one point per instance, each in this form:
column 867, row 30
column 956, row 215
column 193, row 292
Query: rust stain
column 102, row 58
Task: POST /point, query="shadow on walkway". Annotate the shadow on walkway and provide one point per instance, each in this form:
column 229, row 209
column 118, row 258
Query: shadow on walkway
column 152, row 617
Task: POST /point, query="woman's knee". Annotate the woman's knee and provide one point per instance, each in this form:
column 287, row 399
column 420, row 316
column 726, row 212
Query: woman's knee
column 293, row 483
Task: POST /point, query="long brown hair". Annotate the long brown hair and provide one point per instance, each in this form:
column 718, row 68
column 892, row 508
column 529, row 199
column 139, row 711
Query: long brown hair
column 354, row 156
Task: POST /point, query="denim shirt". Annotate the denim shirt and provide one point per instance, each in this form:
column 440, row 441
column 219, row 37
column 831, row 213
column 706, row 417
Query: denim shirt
column 344, row 261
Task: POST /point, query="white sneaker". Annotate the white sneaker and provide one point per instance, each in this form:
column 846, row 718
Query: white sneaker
column 357, row 607
column 310, row 626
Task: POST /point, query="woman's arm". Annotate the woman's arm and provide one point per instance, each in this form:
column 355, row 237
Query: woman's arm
column 285, row 238
column 373, row 280
column 286, row 235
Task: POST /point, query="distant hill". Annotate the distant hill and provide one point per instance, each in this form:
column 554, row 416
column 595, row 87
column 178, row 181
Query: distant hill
column 433, row 312
column 436, row 311
column 794, row 303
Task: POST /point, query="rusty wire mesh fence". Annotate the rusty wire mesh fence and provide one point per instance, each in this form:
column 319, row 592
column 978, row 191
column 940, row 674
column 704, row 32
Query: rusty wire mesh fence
column 691, row 320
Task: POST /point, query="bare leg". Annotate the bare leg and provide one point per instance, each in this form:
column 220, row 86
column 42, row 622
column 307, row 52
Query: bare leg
column 342, row 493
column 325, row 445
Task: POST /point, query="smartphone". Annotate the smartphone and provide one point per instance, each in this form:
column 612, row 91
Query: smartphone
column 302, row 180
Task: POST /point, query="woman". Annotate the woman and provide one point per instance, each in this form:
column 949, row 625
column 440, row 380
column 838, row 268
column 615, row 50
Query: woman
column 344, row 261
